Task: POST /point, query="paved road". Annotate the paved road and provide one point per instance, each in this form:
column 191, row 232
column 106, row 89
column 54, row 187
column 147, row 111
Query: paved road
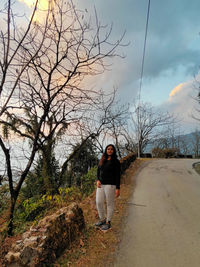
column 163, row 225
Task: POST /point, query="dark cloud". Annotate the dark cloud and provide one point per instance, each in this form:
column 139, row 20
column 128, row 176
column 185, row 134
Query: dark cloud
column 173, row 25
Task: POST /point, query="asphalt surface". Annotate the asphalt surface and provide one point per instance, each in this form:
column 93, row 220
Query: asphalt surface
column 163, row 225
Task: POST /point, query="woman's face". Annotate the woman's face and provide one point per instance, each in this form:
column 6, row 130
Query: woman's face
column 109, row 151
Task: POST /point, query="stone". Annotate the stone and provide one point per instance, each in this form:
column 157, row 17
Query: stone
column 32, row 241
column 19, row 241
column 12, row 257
column 26, row 235
column 33, row 229
column 17, row 247
column 54, row 234
column 28, row 255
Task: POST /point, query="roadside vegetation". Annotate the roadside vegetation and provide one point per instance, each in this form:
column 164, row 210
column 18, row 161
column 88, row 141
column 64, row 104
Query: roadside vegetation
column 30, row 210
column 91, row 248
column 33, row 204
column 35, row 201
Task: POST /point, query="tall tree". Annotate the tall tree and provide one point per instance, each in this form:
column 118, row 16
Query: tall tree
column 84, row 159
column 51, row 95
column 13, row 63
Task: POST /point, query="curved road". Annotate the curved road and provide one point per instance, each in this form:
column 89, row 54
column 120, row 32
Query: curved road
column 163, row 225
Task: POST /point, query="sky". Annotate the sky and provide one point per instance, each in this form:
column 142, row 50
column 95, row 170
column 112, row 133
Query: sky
column 172, row 57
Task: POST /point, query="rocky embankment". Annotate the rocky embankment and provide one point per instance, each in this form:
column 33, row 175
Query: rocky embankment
column 43, row 243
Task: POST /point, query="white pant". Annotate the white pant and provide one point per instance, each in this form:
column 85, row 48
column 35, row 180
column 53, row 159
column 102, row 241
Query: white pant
column 105, row 192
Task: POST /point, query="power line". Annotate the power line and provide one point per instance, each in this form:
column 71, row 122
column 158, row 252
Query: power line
column 144, row 49
column 141, row 77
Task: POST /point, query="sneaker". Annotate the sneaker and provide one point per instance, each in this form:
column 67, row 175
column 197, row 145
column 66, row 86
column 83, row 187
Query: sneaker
column 100, row 223
column 105, row 227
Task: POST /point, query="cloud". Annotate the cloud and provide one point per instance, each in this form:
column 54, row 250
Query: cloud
column 42, row 7
column 29, row 3
column 173, row 25
column 172, row 50
column 176, row 90
column 183, row 93
column 182, row 103
column 42, row 4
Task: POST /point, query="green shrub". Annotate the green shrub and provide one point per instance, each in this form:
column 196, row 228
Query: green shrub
column 88, row 181
column 33, row 208
column 30, row 209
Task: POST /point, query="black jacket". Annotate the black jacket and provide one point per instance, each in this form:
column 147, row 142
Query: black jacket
column 109, row 173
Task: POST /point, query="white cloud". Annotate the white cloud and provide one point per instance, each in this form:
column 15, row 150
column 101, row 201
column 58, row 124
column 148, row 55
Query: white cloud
column 183, row 105
column 179, row 92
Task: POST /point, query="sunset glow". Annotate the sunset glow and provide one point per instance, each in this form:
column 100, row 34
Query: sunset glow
column 176, row 90
column 43, row 6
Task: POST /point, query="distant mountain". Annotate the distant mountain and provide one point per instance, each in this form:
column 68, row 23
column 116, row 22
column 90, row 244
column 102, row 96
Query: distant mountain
column 186, row 143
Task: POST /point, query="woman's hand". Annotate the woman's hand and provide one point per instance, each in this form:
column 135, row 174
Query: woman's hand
column 98, row 184
column 117, row 192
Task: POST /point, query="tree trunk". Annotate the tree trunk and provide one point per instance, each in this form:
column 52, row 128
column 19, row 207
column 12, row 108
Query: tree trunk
column 11, row 213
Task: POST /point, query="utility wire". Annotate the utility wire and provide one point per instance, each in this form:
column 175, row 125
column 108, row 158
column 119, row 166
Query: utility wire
column 141, row 77
column 144, row 50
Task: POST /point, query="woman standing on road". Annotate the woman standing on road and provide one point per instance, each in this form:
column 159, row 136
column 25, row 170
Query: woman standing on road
column 108, row 186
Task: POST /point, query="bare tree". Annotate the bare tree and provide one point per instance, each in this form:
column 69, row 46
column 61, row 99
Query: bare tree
column 169, row 137
column 116, row 129
column 184, row 145
column 51, row 94
column 108, row 124
column 196, row 143
column 147, row 121
column 13, row 62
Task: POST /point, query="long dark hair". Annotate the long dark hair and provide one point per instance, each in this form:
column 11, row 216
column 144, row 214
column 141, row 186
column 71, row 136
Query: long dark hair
column 104, row 156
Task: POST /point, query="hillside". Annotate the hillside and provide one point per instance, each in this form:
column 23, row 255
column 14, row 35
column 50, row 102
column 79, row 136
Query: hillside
column 185, row 142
